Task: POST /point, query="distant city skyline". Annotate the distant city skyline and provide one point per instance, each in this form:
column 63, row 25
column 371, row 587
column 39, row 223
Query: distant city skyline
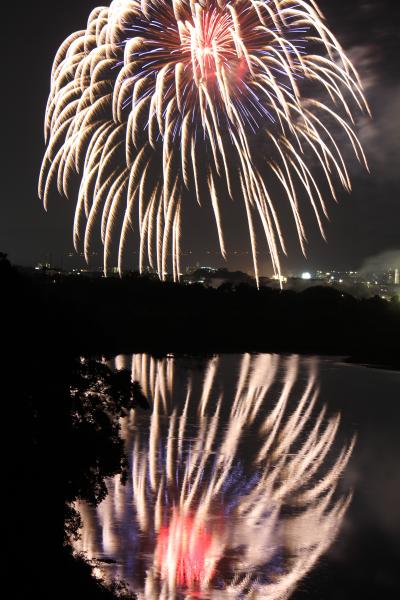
column 209, row 260
column 237, row 261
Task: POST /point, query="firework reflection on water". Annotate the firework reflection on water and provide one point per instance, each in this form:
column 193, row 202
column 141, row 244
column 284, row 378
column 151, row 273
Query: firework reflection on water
column 232, row 486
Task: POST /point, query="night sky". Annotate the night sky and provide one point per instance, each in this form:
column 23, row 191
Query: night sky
column 364, row 224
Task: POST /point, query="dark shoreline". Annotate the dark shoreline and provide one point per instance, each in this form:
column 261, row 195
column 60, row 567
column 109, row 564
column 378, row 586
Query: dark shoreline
column 84, row 316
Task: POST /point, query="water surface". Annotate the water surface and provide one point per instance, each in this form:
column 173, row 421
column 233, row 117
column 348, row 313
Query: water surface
column 241, row 480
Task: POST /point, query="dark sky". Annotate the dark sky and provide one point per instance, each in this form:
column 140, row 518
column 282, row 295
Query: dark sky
column 362, row 225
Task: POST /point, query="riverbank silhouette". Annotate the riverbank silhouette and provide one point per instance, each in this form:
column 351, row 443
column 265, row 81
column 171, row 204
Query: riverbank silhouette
column 94, row 316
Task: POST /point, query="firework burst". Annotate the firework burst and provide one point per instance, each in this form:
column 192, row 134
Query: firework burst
column 160, row 101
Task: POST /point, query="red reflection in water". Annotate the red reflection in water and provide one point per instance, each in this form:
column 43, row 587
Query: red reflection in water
column 185, row 551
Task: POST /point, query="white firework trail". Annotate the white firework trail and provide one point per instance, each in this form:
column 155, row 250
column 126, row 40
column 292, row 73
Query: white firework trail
column 160, row 101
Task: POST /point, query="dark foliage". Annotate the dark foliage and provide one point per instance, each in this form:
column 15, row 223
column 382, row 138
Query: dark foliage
column 60, row 440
